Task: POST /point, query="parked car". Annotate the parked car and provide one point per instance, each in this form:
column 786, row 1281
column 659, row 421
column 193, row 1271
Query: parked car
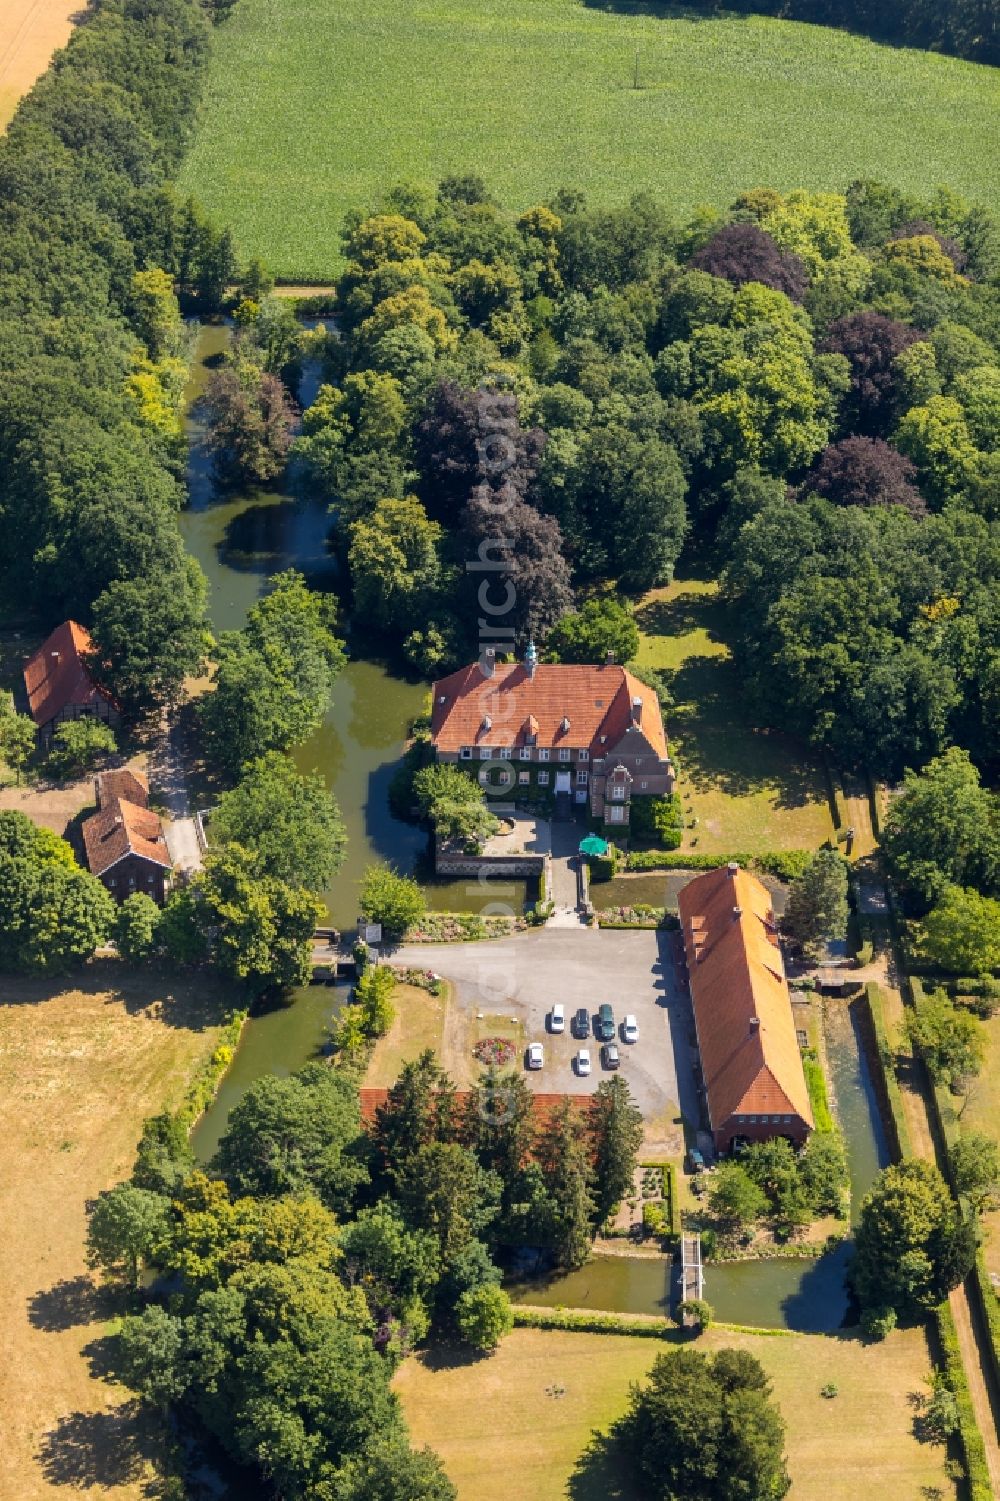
column 581, row 1023
column 696, row 1162
column 536, row 1055
column 605, row 1025
column 557, row 1018
column 609, row 1055
column 583, row 1062
column 630, row 1029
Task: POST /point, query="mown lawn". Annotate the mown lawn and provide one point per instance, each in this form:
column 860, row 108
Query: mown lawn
column 313, row 106
column 749, row 789
column 518, row 1423
column 419, row 1024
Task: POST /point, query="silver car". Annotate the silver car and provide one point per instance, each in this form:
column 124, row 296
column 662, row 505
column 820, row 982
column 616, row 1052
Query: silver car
column 536, row 1055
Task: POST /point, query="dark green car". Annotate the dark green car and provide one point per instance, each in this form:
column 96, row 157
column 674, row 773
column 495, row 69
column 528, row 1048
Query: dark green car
column 605, row 1026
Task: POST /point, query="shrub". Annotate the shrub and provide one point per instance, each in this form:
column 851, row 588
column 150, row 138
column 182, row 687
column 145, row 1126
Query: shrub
column 878, row 1323
column 484, row 1316
column 698, row 1311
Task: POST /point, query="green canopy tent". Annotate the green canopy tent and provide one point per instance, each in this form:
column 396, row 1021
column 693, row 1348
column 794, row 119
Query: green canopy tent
column 593, row 845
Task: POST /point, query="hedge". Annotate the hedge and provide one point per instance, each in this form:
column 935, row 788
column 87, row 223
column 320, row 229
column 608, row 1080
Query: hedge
column 886, row 1074
column 786, row 865
column 206, row 1081
column 670, row 1193
column 816, row 1084
column 528, row 1316
column 970, row 1438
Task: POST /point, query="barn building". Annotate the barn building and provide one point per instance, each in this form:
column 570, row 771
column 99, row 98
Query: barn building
column 750, row 1059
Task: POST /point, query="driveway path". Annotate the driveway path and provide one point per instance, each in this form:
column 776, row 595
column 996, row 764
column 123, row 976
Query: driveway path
column 565, row 857
column 523, row 975
column 168, row 776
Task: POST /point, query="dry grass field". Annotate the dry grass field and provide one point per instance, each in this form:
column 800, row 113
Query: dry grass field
column 516, row 1424
column 30, row 31
column 83, row 1062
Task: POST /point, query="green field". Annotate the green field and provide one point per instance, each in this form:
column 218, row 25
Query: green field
column 749, row 789
column 313, row 106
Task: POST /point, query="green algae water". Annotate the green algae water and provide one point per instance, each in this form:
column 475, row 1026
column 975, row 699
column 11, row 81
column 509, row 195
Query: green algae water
column 243, row 536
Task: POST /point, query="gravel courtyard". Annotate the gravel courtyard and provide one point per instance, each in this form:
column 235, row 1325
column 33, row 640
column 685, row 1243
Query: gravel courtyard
column 523, row 976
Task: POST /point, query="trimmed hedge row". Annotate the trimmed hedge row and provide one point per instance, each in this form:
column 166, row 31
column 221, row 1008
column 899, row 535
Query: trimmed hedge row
column 970, row 1438
column 528, row 1317
column 891, row 1095
column 786, row 865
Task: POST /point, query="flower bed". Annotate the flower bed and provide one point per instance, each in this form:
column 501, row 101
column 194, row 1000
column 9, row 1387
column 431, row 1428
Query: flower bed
column 638, row 916
column 461, row 927
column 495, row 1052
column 420, row 979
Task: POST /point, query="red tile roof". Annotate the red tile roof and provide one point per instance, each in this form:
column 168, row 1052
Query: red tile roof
column 121, row 783
column 56, row 676
column 122, row 828
column 597, row 701
column 750, row 1056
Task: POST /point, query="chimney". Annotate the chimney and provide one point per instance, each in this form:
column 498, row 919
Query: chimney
column 531, row 659
column 737, row 913
column 754, row 1025
column 488, row 662
column 637, row 711
column 54, row 655
column 565, row 724
column 487, row 722
column 732, row 867
column 609, row 659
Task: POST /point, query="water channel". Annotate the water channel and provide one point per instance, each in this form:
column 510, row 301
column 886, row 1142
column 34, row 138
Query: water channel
column 240, row 538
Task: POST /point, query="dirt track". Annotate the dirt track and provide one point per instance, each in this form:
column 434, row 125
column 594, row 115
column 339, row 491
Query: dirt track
column 30, row 31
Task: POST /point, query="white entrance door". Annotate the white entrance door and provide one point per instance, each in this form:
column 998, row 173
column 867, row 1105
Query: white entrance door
column 562, row 781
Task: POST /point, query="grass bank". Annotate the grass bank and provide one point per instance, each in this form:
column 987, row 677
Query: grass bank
column 313, row 106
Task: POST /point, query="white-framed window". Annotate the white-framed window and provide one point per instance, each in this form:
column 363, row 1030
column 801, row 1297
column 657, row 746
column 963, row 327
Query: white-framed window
column 524, row 777
column 465, row 754
column 617, row 815
column 525, row 752
column 543, row 754
column 583, row 755
column 504, row 778
column 617, row 790
column 486, row 753
column 543, row 779
column 643, row 785
column 581, row 778
column 564, row 755
column 504, row 752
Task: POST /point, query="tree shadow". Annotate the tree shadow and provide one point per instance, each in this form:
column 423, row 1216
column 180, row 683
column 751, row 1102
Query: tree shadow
column 682, row 615
column 276, row 532
column 665, row 11
column 100, row 1449
column 73, row 1301
column 193, row 1002
column 450, row 1357
column 603, row 1470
